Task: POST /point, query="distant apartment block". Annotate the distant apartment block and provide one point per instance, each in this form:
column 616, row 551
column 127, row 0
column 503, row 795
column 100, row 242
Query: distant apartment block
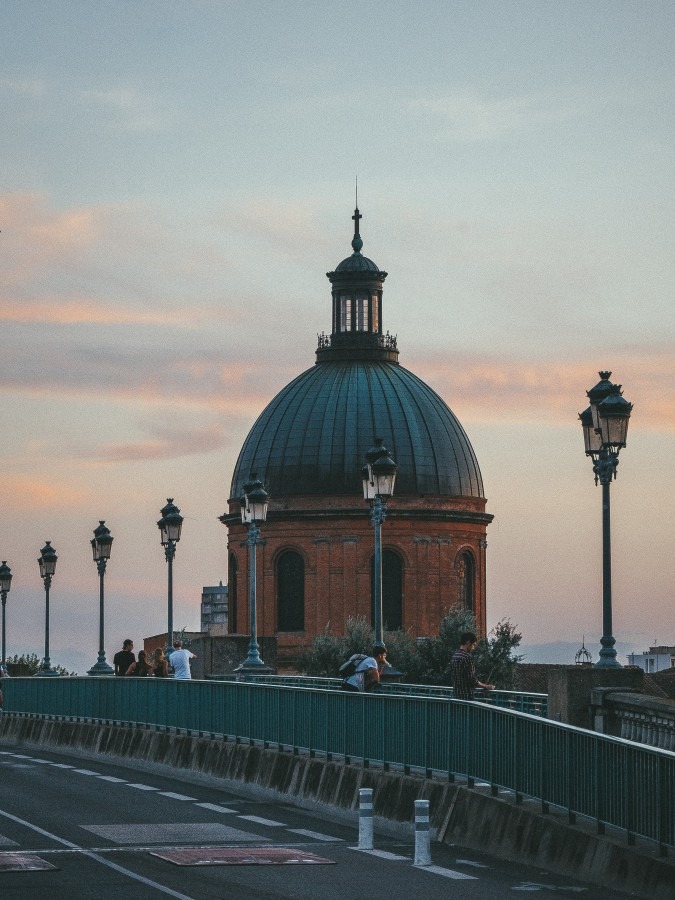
column 656, row 659
column 214, row 609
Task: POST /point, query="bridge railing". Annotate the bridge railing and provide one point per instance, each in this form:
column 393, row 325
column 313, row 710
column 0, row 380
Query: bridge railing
column 611, row 780
column 536, row 704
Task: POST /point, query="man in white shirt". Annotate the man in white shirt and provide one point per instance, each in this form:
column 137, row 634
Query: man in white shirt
column 180, row 661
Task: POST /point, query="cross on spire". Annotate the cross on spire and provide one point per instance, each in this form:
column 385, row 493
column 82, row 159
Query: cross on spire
column 356, row 217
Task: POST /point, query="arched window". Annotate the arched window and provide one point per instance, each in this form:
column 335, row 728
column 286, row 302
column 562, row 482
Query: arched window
column 466, row 582
column 290, row 592
column 392, row 591
column 232, row 595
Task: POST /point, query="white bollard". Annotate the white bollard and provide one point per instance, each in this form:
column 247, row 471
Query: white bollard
column 422, row 834
column 365, row 819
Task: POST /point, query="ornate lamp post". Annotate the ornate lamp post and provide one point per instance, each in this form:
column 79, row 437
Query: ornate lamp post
column 47, row 563
column 5, row 584
column 101, row 545
column 605, row 425
column 379, row 477
column 170, row 527
column 253, row 503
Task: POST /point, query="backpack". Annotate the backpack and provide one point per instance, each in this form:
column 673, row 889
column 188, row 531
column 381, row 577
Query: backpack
column 348, row 668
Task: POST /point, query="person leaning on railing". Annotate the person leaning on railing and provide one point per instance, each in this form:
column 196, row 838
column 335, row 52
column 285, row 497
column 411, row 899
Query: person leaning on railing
column 463, row 670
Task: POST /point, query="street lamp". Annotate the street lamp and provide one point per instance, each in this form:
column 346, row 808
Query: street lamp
column 101, row 545
column 379, row 477
column 253, row 502
column 47, row 563
column 605, row 425
column 170, row 526
column 5, row 584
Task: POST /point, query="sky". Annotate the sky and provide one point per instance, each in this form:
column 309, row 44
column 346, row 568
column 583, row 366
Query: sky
column 176, row 178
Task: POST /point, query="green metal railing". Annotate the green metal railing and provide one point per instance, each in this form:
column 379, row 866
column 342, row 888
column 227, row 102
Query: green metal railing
column 521, row 701
column 613, row 781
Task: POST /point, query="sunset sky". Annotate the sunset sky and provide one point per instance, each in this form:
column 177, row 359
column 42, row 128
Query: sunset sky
column 176, row 178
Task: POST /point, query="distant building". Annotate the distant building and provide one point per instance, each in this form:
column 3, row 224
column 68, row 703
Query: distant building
column 656, row 659
column 214, row 608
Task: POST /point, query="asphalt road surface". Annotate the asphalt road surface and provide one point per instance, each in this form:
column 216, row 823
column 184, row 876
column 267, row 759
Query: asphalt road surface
column 73, row 828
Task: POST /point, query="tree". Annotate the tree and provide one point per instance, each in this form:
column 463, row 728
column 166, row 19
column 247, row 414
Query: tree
column 422, row 661
column 29, row 664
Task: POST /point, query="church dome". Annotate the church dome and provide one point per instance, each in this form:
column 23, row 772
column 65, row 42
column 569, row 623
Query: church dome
column 312, row 438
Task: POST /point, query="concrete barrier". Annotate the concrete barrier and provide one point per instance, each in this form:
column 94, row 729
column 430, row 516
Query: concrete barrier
column 459, row 815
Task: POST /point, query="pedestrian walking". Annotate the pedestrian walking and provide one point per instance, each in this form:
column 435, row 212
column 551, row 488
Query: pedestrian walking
column 463, row 669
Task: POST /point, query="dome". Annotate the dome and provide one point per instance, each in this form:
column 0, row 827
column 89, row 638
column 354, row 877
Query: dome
column 357, row 263
column 312, row 438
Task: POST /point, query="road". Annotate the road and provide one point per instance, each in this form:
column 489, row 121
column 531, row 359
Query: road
column 88, row 829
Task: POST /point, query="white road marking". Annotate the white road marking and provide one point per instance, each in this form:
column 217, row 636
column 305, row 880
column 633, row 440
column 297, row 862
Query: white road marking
column 61, row 766
column 471, row 862
column 259, row 821
column 316, row 835
column 383, row 854
column 446, row 873
column 112, row 779
column 85, row 772
column 174, row 796
column 215, row 808
column 142, row 787
column 105, row 862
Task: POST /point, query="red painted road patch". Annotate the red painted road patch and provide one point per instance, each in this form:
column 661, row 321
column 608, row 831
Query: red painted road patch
column 23, row 862
column 239, row 856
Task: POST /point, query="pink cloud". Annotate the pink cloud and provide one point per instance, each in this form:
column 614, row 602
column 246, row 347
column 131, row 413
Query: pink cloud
column 33, row 494
column 502, row 389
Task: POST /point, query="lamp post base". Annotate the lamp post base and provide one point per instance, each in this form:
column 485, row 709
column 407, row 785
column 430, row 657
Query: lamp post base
column 254, row 667
column 46, row 672
column 101, row 667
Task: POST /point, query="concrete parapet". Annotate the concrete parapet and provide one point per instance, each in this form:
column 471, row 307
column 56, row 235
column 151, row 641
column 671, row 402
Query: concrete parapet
column 459, row 815
column 569, row 690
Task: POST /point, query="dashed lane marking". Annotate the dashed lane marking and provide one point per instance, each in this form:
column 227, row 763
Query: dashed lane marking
column 142, row 787
column 174, row 796
column 112, row 779
column 85, row 772
column 315, row 835
column 382, row 854
column 471, row 862
column 260, row 821
column 215, row 808
column 447, row 873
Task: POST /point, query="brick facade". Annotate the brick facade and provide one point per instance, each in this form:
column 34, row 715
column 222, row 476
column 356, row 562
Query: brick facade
column 335, row 538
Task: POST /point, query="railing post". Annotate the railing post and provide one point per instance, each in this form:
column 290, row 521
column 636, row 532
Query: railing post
column 365, row 819
column 422, row 834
